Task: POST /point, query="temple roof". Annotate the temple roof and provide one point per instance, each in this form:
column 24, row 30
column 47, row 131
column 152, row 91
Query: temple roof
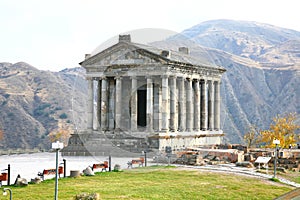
column 169, row 56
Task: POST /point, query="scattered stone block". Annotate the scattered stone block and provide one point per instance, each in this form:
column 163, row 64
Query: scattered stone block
column 21, row 182
column 36, row 180
column 88, row 171
column 295, row 169
column 245, row 164
column 281, row 169
column 117, row 167
column 86, row 196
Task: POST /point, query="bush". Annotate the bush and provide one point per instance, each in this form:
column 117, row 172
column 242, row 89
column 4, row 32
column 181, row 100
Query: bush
column 63, row 116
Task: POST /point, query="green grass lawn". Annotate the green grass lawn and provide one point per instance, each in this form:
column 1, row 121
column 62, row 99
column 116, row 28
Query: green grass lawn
column 155, row 183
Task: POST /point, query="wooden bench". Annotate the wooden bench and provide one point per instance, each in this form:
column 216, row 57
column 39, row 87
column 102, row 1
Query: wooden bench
column 102, row 166
column 3, row 177
column 140, row 161
column 51, row 172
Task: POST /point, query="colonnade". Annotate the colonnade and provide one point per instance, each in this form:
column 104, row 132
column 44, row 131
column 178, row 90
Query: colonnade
column 172, row 103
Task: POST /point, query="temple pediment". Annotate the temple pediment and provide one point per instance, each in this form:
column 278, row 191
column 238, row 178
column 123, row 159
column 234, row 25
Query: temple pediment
column 123, row 54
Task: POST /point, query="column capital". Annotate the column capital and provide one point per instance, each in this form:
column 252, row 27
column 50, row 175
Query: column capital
column 118, row 77
column 203, row 80
column 216, row 81
column 103, row 77
column 164, row 76
column 188, row 78
column 133, row 77
column 149, row 77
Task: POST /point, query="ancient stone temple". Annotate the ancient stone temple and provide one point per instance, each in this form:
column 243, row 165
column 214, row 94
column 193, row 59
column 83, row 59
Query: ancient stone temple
column 142, row 97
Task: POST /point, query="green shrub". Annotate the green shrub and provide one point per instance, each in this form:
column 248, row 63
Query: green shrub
column 63, row 116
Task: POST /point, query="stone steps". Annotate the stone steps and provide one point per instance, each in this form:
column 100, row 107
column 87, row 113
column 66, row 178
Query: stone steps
column 100, row 144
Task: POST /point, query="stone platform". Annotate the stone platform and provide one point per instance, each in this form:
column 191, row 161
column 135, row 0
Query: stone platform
column 96, row 143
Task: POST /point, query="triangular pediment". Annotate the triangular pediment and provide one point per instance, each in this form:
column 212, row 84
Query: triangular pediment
column 123, row 53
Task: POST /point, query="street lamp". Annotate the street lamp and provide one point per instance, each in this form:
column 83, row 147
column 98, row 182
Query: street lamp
column 57, row 146
column 5, row 193
column 276, row 142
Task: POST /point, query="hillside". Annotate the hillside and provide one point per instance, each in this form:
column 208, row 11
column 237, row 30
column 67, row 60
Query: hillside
column 34, row 103
column 263, row 70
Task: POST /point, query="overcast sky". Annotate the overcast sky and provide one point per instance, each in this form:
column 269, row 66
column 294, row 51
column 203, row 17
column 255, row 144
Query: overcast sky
column 55, row 34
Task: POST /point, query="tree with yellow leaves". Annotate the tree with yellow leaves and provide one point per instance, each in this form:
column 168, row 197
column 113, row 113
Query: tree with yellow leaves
column 284, row 129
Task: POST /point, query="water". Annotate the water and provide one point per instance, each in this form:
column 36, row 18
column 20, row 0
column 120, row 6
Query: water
column 28, row 165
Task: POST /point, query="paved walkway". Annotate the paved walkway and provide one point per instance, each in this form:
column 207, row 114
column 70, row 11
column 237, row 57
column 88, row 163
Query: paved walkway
column 240, row 170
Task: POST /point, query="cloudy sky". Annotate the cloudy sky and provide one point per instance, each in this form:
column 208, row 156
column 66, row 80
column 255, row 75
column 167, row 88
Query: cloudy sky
column 55, row 34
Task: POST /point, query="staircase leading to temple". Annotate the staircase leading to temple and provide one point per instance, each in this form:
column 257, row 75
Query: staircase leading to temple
column 104, row 144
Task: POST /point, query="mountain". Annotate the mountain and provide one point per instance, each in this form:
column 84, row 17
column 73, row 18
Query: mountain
column 34, row 103
column 262, row 80
column 263, row 70
column 243, row 38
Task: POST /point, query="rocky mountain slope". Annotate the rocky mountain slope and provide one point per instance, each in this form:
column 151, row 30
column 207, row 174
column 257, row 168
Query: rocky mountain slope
column 34, row 103
column 262, row 80
column 263, row 70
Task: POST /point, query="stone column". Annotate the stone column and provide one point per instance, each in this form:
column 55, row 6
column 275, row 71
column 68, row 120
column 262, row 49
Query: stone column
column 197, row 106
column 189, row 108
column 165, row 107
column 157, row 108
column 203, row 105
column 217, row 106
column 90, row 107
column 133, row 103
column 111, row 104
column 98, row 124
column 173, row 99
column 182, row 118
column 211, row 105
column 104, row 104
column 118, row 103
column 149, row 104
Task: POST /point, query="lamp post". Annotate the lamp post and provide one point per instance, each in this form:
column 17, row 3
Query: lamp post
column 57, row 146
column 276, row 142
column 5, row 193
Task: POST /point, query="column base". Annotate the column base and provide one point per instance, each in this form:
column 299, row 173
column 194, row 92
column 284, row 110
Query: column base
column 164, row 130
